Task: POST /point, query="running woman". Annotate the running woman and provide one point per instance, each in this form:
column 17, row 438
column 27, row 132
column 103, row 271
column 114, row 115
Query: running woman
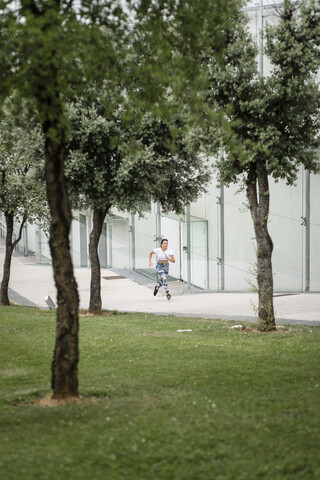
column 164, row 256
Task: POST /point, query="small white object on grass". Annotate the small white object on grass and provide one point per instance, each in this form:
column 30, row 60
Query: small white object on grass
column 186, row 330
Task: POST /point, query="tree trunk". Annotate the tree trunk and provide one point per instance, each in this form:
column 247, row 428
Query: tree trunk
column 95, row 304
column 66, row 355
column 10, row 245
column 259, row 207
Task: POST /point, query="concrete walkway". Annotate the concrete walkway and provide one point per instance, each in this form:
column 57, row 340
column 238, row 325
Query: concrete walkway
column 30, row 283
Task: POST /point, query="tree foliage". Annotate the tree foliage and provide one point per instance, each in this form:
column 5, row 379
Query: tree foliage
column 22, row 186
column 174, row 37
column 274, row 118
column 124, row 163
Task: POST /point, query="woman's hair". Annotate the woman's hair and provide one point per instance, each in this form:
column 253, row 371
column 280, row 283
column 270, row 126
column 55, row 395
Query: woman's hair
column 163, row 240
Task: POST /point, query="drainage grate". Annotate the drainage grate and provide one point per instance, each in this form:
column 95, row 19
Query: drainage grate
column 114, row 277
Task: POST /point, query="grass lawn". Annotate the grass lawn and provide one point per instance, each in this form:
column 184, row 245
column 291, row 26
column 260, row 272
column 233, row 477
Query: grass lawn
column 211, row 404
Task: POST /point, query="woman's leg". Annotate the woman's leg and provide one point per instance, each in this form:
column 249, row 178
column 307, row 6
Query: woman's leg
column 163, row 271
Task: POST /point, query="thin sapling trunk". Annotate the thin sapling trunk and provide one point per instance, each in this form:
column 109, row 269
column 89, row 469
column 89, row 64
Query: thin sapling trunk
column 10, row 246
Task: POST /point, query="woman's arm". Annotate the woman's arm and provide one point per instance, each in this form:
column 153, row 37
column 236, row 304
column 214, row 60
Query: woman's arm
column 171, row 259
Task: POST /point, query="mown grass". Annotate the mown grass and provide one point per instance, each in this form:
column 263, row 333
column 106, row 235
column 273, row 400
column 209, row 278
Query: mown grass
column 202, row 405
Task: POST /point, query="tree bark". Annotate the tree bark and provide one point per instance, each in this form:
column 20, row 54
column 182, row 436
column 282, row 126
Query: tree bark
column 259, row 207
column 10, row 245
column 66, row 354
column 95, row 304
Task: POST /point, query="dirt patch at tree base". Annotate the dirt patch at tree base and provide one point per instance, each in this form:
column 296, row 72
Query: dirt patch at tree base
column 255, row 330
column 49, row 401
column 86, row 313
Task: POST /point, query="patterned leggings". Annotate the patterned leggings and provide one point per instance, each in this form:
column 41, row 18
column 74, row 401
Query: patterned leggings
column 163, row 270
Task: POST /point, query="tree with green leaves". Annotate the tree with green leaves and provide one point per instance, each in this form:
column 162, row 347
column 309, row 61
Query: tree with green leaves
column 93, row 159
column 50, row 50
column 22, row 187
column 272, row 122
column 115, row 163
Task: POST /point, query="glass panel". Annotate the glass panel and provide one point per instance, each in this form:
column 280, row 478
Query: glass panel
column 144, row 242
column 314, row 233
column 239, row 243
column 287, row 232
column 198, row 253
column 83, row 241
column 43, row 254
column 103, row 247
column 119, row 242
column 170, row 229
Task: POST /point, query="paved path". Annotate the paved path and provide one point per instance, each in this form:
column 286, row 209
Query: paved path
column 30, row 283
